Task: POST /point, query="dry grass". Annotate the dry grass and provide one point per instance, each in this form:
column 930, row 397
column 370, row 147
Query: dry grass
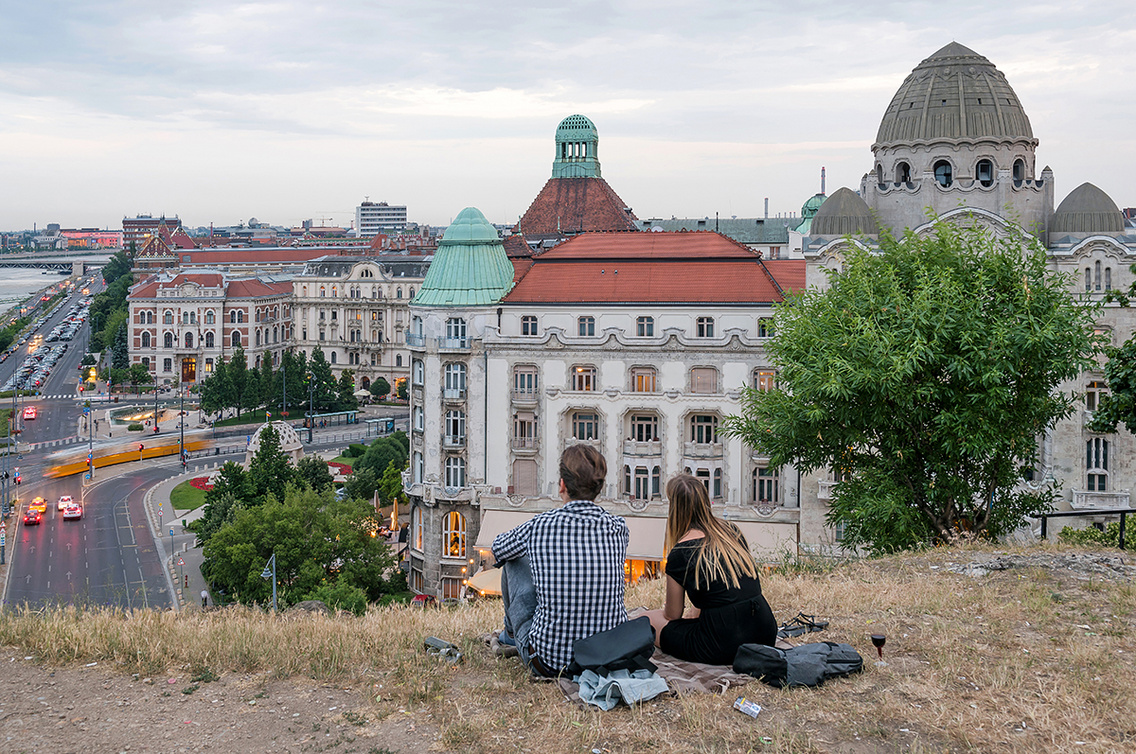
column 1018, row 661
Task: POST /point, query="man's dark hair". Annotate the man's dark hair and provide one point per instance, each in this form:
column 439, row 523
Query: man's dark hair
column 583, row 470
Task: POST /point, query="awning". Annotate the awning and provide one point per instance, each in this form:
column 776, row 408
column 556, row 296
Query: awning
column 647, row 535
column 487, row 581
column 495, row 522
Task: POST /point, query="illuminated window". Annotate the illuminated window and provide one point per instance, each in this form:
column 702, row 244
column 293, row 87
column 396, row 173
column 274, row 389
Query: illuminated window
column 584, row 378
column 453, row 535
column 704, row 380
column 643, row 380
column 765, row 379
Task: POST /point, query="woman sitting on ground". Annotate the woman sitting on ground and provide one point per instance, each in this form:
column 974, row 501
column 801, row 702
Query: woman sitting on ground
column 708, row 559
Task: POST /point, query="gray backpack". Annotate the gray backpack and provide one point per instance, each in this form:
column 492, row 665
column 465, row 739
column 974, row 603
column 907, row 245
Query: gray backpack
column 806, row 665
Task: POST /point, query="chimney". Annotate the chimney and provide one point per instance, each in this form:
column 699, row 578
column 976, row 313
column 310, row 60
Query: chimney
column 822, row 180
column 767, row 208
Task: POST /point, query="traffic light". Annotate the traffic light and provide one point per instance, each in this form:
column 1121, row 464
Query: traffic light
column 141, row 447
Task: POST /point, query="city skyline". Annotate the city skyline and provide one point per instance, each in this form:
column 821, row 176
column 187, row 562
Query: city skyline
column 220, row 112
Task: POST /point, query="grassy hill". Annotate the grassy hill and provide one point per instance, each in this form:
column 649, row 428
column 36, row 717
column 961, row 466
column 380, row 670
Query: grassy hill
column 989, row 649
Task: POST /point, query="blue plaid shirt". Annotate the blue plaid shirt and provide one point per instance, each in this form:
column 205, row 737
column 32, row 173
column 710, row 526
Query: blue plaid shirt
column 576, row 553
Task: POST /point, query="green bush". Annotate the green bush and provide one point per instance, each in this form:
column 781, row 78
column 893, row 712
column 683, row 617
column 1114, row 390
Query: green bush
column 1109, row 536
column 355, row 450
column 340, row 596
column 134, row 428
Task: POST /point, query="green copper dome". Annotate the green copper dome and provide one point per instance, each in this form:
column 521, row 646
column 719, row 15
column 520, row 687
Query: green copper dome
column 577, row 149
column 470, row 227
column 470, row 267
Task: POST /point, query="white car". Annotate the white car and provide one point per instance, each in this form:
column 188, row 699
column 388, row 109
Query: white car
column 64, row 501
column 73, row 511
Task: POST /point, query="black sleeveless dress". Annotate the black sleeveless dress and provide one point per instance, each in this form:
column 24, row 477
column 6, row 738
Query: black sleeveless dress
column 729, row 616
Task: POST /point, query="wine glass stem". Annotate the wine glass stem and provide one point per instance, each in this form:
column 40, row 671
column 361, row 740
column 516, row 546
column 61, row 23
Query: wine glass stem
column 880, row 652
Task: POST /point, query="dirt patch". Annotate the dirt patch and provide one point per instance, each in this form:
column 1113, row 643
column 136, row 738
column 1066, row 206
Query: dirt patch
column 95, row 709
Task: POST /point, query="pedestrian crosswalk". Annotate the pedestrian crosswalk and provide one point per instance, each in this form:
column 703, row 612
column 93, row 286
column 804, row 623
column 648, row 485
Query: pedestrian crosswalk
column 54, row 443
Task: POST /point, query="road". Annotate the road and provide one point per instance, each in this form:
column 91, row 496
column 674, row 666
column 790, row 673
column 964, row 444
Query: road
column 108, row 557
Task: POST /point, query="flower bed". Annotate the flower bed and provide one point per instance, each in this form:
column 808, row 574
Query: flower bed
column 339, row 468
column 200, row 483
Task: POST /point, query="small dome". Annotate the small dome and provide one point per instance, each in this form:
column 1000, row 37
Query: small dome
column 1087, row 209
column 576, row 128
column 956, row 95
column 469, row 227
column 812, row 205
column 290, row 442
column 844, row 214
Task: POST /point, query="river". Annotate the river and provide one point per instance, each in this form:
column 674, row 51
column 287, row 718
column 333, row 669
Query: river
column 17, row 283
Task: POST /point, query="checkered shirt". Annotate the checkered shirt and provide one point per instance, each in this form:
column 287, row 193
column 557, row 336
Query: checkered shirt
column 576, row 553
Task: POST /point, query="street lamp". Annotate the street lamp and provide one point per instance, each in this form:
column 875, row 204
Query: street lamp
column 181, row 424
column 269, row 572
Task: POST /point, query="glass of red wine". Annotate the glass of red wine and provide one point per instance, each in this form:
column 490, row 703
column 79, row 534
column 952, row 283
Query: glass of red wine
column 878, row 641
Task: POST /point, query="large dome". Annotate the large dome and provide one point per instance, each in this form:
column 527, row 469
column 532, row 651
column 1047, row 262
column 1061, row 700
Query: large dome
column 1087, row 210
column 954, row 95
column 844, row 214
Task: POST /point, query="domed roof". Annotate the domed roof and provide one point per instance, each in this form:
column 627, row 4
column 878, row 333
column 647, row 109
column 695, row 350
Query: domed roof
column 844, row 214
column 1087, row 209
column 469, row 227
column 957, row 95
column 576, row 128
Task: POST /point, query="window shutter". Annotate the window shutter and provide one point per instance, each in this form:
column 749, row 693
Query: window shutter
column 524, row 477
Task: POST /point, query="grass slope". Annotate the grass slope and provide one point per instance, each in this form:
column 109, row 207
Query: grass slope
column 1034, row 658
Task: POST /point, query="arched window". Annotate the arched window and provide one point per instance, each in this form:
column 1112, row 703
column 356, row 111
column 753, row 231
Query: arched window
column 168, row 340
column 149, row 318
column 902, row 173
column 944, row 173
column 419, row 418
column 333, row 357
column 236, row 340
column 453, row 535
column 455, row 472
column 1096, row 276
column 145, row 340
column 398, row 359
column 209, row 317
column 168, row 318
column 209, row 339
column 879, row 174
column 416, row 528
column 984, row 172
column 419, row 467
column 411, row 294
column 398, row 293
column 1019, row 171
column 275, row 335
column 258, row 337
column 455, row 380
column 418, row 372
column 189, row 340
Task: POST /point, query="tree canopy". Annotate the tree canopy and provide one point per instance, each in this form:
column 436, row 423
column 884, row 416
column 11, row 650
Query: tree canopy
column 922, row 376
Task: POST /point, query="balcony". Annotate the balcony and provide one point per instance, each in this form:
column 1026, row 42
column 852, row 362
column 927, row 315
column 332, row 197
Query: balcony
column 454, row 344
column 525, row 397
column 824, row 490
column 524, row 444
column 453, row 441
column 453, row 394
column 415, row 341
column 643, row 449
column 1085, row 500
column 703, row 450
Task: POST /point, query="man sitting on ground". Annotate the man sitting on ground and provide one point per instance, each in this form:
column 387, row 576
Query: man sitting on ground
column 562, row 571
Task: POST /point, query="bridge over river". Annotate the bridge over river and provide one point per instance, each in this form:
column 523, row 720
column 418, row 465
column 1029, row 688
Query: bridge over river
column 73, row 262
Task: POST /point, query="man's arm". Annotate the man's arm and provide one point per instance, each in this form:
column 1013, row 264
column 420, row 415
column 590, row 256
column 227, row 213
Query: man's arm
column 511, row 544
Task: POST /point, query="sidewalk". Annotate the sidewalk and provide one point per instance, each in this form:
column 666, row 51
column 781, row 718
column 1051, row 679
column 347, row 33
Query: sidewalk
column 176, row 544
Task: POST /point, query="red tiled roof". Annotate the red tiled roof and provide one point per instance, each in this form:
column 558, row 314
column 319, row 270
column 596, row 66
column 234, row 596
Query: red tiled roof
column 221, row 256
column 206, row 280
column 181, row 239
column 789, row 273
column 521, row 265
column 254, row 288
column 515, row 246
column 665, row 268
column 566, row 206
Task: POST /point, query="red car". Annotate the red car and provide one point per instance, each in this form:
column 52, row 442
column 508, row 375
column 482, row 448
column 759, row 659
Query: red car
column 29, row 413
column 32, row 517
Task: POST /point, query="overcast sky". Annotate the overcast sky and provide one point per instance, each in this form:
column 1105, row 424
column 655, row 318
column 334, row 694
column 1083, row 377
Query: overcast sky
column 283, row 111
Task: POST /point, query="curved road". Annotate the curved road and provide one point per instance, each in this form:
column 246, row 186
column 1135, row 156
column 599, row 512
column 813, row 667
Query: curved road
column 108, row 557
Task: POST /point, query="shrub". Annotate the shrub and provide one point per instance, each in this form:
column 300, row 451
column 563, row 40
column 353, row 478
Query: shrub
column 355, row 450
column 134, row 428
column 1109, row 536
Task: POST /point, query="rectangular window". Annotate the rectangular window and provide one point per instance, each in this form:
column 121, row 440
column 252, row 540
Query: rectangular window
column 586, row 326
column 524, row 431
column 766, row 484
column 528, row 325
column 642, row 481
column 645, row 327
column 644, row 427
column 584, row 379
column 764, row 380
column 765, row 327
column 643, row 379
column 704, row 380
column 167, row 365
column 524, row 380
column 1096, row 464
column 1093, row 394
column 585, row 425
column 705, row 327
column 704, row 428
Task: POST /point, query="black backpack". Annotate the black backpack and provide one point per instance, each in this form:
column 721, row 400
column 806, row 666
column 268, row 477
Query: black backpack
column 806, row 665
column 628, row 646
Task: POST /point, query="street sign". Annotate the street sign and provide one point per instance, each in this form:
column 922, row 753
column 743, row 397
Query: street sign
column 86, row 410
column 87, row 476
column 181, row 562
column 171, row 532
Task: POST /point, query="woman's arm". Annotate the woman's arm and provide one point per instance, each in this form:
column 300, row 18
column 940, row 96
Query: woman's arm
column 676, row 599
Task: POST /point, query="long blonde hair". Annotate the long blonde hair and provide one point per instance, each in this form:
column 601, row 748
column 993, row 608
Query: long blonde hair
column 723, row 554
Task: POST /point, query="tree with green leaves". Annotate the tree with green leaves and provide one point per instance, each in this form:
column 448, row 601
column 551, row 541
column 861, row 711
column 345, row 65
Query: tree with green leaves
column 380, row 388
column 118, row 266
column 313, row 471
column 923, row 374
column 402, row 390
column 323, row 382
column 345, row 389
column 381, row 453
column 1118, row 405
column 294, row 368
column 231, row 490
column 361, row 484
column 318, row 541
column 268, row 381
column 390, row 485
column 120, row 350
column 139, row 374
column 270, row 472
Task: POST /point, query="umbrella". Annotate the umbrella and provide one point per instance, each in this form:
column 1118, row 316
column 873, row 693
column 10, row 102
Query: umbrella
column 486, row 582
column 361, row 393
